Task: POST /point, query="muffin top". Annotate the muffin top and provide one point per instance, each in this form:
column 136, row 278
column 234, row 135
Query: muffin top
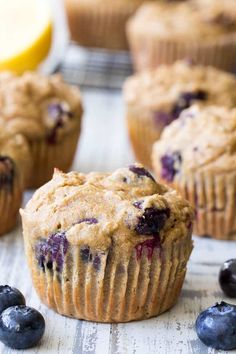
column 14, row 158
column 169, row 89
column 100, row 210
column 202, row 139
column 188, row 20
column 38, row 106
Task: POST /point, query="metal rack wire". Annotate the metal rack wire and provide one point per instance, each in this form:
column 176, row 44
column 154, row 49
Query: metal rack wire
column 91, row 68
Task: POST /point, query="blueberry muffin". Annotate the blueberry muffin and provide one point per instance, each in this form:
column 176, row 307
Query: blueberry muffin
column 100, row 23
column 107, row 247
column 155, row 98
column 48, row 113
column 203, row 30
column 197, row 155
column 14, row 168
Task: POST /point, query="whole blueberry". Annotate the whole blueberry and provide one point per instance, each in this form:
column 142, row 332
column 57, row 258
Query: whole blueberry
column 21, row 327
column 227, row 278
column 216, row 326
column 10, row 297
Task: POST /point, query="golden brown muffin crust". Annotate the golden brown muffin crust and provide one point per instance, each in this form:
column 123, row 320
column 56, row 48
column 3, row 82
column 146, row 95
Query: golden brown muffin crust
column 107, row 209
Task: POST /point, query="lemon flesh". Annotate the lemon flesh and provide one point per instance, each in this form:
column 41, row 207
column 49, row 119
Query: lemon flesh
column 25, row 34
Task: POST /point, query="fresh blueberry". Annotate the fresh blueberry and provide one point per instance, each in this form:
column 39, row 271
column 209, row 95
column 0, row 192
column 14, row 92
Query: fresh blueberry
column 52, row 250
column 21, row 327
column 227, row 277
column 141, row 172
column 7, row 172
column 170, row 165
column 216, row 326
column 152, row 221
column 10, row 297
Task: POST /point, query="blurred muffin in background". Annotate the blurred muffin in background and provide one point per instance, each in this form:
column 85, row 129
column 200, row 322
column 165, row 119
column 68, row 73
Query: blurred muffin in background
column 100, row 23
column 48, row 113
column 203, row 30
column 197, row 156
column 155, row 98
column 15, row 166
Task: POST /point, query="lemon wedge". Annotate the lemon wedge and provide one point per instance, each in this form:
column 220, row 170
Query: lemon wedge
column 25, row 34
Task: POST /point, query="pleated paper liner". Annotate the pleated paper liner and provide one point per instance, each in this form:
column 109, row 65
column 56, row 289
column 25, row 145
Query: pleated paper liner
column 214, row 198
column 143, row 130
column 102, row 25
column 149, row 52
column 138, row 285
column 10, row 201
column 47, row 156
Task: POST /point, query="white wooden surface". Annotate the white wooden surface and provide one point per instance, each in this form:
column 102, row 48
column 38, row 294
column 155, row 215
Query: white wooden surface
column 104, row 146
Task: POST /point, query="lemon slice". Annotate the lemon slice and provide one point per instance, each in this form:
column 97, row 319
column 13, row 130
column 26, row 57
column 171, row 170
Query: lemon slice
column 25, row 34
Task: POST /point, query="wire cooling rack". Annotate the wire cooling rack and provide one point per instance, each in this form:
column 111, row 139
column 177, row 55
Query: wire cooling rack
column 95, row 68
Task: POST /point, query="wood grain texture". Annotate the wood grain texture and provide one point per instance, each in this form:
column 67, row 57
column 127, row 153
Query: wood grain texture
column 104, row 146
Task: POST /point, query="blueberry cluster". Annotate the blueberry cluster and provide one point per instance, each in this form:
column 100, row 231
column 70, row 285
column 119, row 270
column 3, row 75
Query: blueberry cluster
column 21, row 327
column 216, row 326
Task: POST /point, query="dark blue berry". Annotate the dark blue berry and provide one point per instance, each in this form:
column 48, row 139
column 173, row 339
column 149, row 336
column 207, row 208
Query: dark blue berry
column 7, row 172
column 152, row 221
column 141, row 172
column 10, row 297
column 170, row 165
column 85, row 254
column 216, row 326
column 186, row 99
column 52, row 251
column 227, row 278
column 89, row 221
column 97, row 262
column 21, row 327
column 56, row 112
column 138, row 204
